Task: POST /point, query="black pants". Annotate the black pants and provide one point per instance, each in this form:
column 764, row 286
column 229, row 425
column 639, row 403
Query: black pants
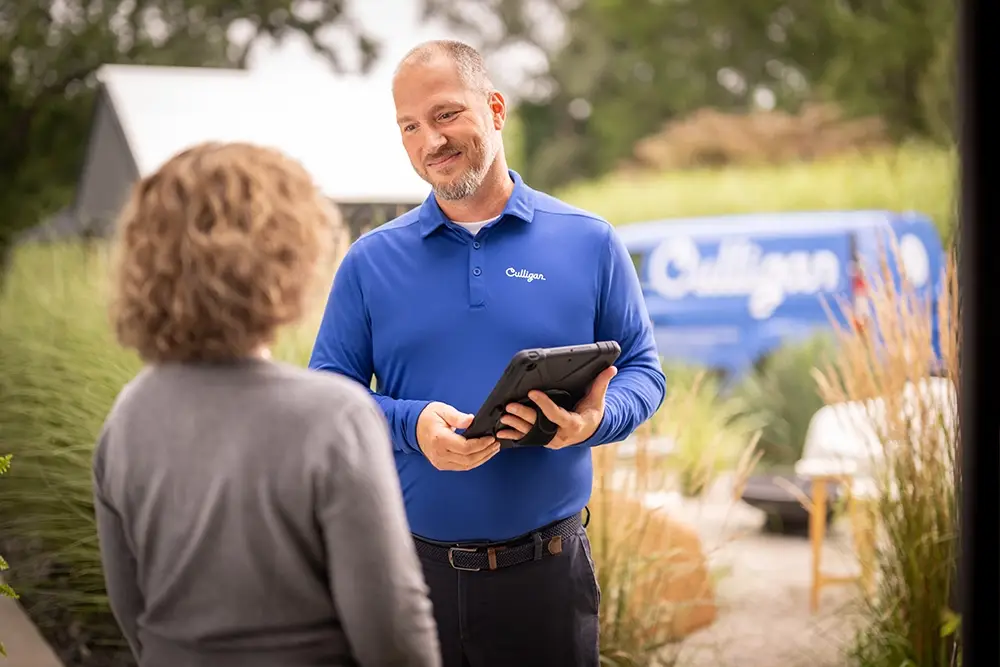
column 540, row 613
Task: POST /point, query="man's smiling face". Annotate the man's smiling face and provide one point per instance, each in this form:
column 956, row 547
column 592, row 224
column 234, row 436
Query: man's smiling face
column 448, row 127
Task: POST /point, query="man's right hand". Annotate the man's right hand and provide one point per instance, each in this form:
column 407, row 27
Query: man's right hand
column 445, row 449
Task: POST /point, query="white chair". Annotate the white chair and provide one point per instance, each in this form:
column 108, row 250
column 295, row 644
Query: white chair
column 843, row 446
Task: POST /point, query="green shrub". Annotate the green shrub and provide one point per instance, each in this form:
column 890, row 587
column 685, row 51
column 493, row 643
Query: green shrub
column 912, row 178
column 781, row 393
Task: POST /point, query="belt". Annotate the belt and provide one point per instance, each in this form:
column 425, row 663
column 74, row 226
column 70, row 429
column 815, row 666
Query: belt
column 542, row 543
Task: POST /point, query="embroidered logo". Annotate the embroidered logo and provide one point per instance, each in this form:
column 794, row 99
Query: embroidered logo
column 524, row 274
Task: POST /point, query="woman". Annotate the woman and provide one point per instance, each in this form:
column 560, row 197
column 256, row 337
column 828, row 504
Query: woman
column 248, row 511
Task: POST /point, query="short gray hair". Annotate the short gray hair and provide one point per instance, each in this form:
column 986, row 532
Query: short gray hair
column 470, row 63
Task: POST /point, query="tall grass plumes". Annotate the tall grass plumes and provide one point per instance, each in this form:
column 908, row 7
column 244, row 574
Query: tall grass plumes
column 60, row 371
column 636, row 557
column 653, row 572
column 910, row 420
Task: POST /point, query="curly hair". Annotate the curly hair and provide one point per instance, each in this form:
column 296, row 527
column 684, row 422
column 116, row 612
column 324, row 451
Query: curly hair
column 216, row 251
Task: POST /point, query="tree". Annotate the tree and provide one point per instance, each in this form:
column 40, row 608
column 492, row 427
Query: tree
column 895, row 59
column 50, row 50
column 617, row 74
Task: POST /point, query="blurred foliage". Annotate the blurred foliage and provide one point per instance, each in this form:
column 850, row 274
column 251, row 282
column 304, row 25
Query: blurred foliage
column 913, row 178
column 51, row 49
column 617, row 73
column 513, row 139
column 613, row 75
column 782, row 394
column 708, row 429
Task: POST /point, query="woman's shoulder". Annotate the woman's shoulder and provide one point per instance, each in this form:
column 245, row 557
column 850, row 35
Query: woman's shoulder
column 312, row 407
column 329, row 401
column 342, row 419
column 289, row 389
column 322, row 386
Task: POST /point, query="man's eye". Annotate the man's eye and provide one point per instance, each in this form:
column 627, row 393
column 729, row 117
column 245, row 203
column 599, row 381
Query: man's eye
column 446, row 115
column 409, row 128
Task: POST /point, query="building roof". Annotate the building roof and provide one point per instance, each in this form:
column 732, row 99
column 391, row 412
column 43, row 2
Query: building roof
column 342, row 128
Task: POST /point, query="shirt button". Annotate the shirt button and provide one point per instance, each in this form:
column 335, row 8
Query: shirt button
column 476, row 245
column 476, row 271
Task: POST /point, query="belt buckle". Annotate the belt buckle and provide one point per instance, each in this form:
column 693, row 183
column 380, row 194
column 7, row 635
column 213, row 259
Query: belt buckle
column 451, row 558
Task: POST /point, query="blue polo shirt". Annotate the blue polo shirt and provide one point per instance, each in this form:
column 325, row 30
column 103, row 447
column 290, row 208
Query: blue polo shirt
column 435, row 314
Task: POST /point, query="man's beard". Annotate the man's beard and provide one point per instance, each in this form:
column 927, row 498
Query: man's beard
column 467, row 183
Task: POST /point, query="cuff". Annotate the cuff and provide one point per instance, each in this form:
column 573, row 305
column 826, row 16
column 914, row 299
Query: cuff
column 413, row 412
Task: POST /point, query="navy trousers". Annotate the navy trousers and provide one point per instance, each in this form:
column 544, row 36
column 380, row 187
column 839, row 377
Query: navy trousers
column 540, row 613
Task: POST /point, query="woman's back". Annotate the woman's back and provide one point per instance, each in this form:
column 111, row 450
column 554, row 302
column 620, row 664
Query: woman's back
column 248, row 512
column 261, row 504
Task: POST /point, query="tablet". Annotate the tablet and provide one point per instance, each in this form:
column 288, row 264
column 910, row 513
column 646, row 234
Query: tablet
column 564, row 373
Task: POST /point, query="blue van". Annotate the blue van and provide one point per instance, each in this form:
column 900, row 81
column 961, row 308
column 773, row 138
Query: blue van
column 723, row 292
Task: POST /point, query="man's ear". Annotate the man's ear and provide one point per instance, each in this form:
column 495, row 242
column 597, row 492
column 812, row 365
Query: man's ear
column 498, row 109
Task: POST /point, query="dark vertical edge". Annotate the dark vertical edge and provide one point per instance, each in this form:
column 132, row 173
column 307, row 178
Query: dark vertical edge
column 980, row 430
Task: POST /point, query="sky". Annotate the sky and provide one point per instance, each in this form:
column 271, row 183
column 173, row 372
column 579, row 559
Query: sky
column 397, row 25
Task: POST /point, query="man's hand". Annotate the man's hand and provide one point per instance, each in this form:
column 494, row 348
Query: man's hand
column 574, row 427
column 445, row 449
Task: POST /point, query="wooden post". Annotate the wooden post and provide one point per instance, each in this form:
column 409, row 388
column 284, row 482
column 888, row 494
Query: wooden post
column 817, row 533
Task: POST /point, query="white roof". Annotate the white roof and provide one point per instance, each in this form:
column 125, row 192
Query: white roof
column 342, row 128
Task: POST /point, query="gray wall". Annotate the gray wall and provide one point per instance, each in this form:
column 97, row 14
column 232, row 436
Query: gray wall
column 108, row 171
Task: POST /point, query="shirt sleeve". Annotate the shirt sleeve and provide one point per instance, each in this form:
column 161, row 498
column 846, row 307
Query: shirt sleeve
column 375, row 577
column 117, row 559
column 638, row 390
column 344, row 345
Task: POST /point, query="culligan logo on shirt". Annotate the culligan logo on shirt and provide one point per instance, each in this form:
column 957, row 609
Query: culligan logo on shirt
column 742, row 268
column 524, row 274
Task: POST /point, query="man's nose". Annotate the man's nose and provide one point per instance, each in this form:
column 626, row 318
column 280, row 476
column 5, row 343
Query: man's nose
column 434, row 142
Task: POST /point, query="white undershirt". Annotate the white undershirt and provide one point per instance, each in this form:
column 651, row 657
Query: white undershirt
column 474, row 227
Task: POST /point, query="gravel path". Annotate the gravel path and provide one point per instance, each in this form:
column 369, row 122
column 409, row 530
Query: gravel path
column 763, row 591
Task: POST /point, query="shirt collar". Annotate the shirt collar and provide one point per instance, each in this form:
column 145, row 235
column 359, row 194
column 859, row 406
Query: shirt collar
column 521, row 205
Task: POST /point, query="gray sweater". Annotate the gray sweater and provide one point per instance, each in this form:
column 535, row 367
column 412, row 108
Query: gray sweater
column 250, row 514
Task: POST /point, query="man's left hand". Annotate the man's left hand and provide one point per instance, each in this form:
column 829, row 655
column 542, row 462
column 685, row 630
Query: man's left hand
column 574, row 427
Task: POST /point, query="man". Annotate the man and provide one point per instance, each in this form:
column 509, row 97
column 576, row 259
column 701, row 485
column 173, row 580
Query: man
column 434, row 304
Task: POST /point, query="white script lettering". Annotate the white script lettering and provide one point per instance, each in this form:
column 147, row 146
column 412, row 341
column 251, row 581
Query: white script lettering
column 742, row 268
column 524, row 274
